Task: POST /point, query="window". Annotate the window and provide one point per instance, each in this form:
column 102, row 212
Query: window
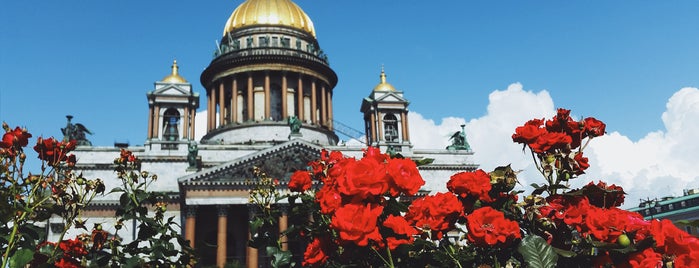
column 688, row 229
column 263, row 41
column 670, row 206
column 683, row 204
column 171, row 119
column 236, row 44
column 286, row 42
column 249, row 42
column 390, row 128
column 275, row 41
column 298, row 44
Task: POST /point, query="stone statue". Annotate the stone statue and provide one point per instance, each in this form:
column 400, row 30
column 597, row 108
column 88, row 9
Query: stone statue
column 76, row 132
column 192, row 155
column 294, row 124
column 458, row 140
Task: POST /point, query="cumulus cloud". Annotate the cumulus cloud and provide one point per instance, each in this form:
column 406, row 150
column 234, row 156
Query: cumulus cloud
column 660, row 164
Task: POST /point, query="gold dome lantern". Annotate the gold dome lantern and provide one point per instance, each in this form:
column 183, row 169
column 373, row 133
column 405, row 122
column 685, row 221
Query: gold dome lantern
column 269, row 12
column 174, row 77
column 384, row 86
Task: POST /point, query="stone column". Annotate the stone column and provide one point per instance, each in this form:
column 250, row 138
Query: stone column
column 268, row 97
column 156, row 126
column 300, row 98
column 373, row 129
column 285, row 113
column 208, row 110
column 213, row 108
column 185, row 123
column 234, row 101
column 192, row 116
column 190, row 224
column 283, row 225
column 221, row 105
column 323, row 106
column 330, row 109
column 150, row 121
column 251, row 112
column 379, row 118
column 404, row 118
column 251, row 252
column 314, row 115
column 221, row 235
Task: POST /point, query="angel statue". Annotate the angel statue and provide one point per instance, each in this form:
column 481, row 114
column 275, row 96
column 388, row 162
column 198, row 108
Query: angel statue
column 76, row 132
column 458, row 140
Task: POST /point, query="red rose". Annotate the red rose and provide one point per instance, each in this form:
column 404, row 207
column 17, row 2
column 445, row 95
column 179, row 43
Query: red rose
column 593, row 127
column 646, row 258
column 404, row 232
column 363, row 178
column 603, row 195
column 404, row 177
column 476, row 184
column 356, row 223
column 18, row 137
column 580, row 164
column 329, row 199
column 488, row 227
column 300, row 181
column 53, row 151
column 375, row 153
column 315, row 255
column 549, row 141
column 605, row 224
column 529, row 132
column 436, row 213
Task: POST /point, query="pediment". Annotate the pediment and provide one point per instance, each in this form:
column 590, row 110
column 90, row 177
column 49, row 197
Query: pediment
column 391, row 97
column 277, row 162
column 172, row 89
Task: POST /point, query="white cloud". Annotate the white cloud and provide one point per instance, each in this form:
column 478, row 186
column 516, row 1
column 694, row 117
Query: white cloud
column 660, row 164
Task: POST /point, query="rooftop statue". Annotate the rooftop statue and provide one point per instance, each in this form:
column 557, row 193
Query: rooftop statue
column 294, row 124
column 458, row 140
column 76, row 132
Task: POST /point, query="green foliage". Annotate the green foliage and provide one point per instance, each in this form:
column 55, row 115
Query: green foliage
column 537, row 253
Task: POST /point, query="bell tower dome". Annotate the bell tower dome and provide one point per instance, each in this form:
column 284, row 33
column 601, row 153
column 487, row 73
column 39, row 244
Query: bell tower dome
column 386, row 117
column 267, row 71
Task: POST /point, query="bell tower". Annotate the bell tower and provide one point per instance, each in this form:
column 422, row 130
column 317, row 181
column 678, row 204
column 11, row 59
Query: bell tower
column 386, row 117
column 172, row 108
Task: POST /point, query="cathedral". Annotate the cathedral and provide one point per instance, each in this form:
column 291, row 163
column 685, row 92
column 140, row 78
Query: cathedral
column 268, row 93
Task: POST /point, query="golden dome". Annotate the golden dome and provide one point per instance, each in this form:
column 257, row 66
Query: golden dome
column 174, row 77
column 269, row 12
column 384, row 86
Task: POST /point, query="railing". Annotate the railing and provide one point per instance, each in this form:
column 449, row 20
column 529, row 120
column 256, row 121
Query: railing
column 320, row 57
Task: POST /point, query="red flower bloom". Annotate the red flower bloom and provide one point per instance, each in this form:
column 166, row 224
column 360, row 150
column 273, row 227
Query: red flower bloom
column 593, row 127
column 18, row 137
column 529, row 132
column 300, row 181
column 362, row 178
column 489, row 227
column 436, row 213
column 476, row 184
column 356, row 223
column 605, row 224
column 402, row 229
column 53, row 151
column 315, row 255
column 603, row 195
column 329, row 199
column 580, row 164
column 404, row 177
column 549, row 141
column 646, row 258
column 67, row 263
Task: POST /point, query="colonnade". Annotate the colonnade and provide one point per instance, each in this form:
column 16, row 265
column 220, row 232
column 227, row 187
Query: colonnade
column 269, row 95
column 186, row 121
column 251, row 258
column 377, row 129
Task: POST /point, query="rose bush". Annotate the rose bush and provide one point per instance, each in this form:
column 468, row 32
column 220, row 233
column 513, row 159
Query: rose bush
column 371, row 207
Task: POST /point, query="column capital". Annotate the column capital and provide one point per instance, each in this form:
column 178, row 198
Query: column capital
column 222, row 210
column 190, row 211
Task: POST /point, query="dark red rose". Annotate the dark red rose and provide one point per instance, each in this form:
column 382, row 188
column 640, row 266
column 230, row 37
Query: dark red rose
column 603, row 195
column 53, row 151
column 549, row 141
column 315, row 254
column 475, row 184
column 528, row 133
column 403, row 230
column 580, row 164
column 356, row 223
column 488, row 227
column 18, row 137
column 300, row 181
column 404, row 177
column 594, row 127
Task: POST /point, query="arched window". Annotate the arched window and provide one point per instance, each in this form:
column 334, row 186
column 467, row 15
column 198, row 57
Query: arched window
column 171, row 119
column 390, row 128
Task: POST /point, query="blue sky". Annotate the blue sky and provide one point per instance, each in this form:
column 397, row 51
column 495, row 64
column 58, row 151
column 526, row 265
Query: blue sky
column 619, row 61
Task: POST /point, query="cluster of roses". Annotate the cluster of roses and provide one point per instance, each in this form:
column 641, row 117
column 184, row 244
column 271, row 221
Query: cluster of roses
column 13, row 140
column 554, row 140
column 353, row 195
column 55, row 152
column 590, row 216
column 71, row 253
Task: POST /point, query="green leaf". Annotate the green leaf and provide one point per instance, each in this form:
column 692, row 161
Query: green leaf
column 21, row 257
column 116, row 190
column 537, row 253
column 279, row 258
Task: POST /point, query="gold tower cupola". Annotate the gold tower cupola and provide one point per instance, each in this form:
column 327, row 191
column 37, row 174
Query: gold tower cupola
column 269, row 12
column 383, row 85
column 174, row 77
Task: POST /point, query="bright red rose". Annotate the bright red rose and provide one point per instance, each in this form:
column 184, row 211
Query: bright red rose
column 580, row 163
column 476, row 184
column 549, row 141
column 559, row 123
column 363, row 178
column 646, row 258
column 488, row 227
column 375, row 153
column 436, row 213
column 571, row 210
column 300, row 181
column 53, row 151
column 527, row 134
column 315, row 255
column 329, row 199
column 404, row 177
column 74, row 248
column 605, row 224
column 402, row 229
column 356, row 223
column 67, row 263
column 18, row 137
column 594, row 127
